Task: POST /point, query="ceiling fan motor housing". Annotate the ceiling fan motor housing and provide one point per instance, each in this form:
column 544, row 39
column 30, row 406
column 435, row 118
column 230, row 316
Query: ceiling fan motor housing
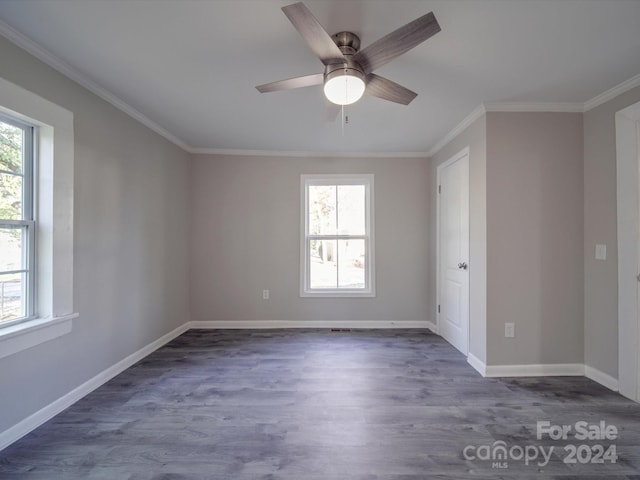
column 349, row 44
column 349, row 67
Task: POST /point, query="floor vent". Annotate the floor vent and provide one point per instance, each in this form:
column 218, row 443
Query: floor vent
column 347, row 330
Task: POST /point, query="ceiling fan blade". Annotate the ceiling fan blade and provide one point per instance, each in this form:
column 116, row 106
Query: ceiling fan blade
column 381, row 87
column 291, row 83
column 397, row 42
column 316, row 37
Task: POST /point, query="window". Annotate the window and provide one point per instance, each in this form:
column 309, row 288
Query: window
column 17, row 226
column 36, row 190
column 337, row 236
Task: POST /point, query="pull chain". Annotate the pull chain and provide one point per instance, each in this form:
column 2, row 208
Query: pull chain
column 346, row 95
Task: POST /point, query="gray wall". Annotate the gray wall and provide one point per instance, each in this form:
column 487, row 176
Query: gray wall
column 473, row 137
column 601, row 277
column 130, row 252
column 535, row 237
column 526, row 230
column 245, row 234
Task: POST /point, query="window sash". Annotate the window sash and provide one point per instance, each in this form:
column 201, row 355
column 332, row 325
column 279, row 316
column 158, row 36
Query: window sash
column 27, row 222
column 337, row 180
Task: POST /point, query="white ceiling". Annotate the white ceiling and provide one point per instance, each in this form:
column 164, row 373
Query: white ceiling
column 190, row 66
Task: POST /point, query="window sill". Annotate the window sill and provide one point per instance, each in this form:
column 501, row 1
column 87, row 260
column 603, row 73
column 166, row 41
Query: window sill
column 28, row 334
column 337, row 294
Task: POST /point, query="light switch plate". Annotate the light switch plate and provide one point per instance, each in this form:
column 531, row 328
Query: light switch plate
column 509, row 330
column 601, row 252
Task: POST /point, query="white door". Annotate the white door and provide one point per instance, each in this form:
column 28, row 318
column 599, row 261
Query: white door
column 453, row 248
column 628, row 194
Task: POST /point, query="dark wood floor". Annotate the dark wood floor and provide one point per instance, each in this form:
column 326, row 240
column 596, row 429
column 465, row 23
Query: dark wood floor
column 317, row 405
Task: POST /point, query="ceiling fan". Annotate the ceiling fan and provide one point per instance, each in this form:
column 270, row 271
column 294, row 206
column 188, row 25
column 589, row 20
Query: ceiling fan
column 348, row 71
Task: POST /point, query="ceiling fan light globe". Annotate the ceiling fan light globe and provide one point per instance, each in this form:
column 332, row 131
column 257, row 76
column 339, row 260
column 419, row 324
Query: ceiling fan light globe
column 344, row 87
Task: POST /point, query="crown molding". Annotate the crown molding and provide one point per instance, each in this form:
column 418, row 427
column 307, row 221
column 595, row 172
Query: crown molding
column 513, row 107
column 64, row 68
column 565, row 107
column 478, row 112
column 612, row 93
column 67, row 70
column 306, row 154
column 568, row 107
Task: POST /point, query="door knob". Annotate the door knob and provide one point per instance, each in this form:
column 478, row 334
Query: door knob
column 462, row 266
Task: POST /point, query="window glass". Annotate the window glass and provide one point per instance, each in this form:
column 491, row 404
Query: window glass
column 16, row 220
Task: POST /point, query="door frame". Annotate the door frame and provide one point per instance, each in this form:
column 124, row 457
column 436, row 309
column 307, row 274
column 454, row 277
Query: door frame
column 462, row 153
column 627, row 123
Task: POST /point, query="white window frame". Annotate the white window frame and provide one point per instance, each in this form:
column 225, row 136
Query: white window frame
column 367, row 180
column 53, row 207
column 27, row 222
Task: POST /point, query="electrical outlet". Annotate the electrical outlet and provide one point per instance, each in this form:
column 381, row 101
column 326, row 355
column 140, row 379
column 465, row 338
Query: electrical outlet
column 509, row 330
column 265, row 294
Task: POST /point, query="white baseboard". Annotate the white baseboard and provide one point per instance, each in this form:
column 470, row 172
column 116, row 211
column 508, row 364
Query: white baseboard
column 536, row 370
column 526, row 370
column 544, row 370
column 33, row 421
column 433, row 326
column 601, row 377
column 476, row 363
column 41, row 416
column 270, row 324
